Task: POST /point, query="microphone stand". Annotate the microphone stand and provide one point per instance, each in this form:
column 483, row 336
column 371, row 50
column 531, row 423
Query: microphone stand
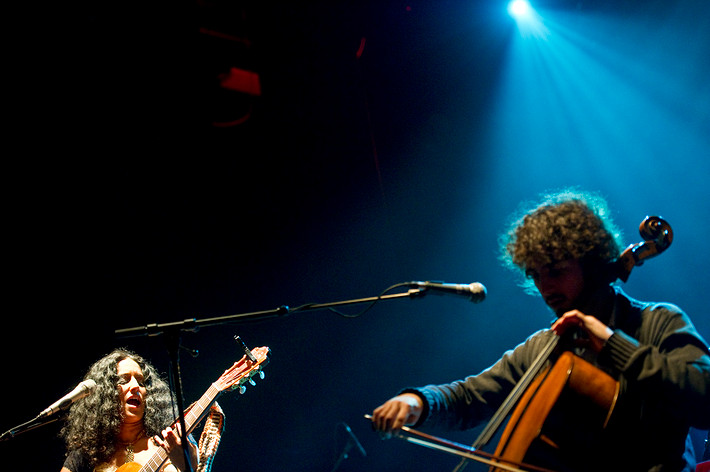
column 349, row 444
column 27, row 426
column 193, row 324
column 344, row 454
column 172, row 343
column 172, row 330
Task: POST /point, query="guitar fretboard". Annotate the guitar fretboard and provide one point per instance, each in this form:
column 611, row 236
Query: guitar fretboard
column 192, row 418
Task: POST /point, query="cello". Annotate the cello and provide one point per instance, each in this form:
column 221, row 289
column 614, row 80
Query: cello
column 543, row 388
column 530, row 403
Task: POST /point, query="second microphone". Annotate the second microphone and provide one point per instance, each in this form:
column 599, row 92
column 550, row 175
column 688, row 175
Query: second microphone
column 475, row 292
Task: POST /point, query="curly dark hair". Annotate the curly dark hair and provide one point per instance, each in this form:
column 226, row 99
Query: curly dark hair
column 568, row 224
column 93, row 423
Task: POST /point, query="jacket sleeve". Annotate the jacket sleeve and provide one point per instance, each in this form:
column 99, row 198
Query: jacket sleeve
column 666, row 363
column 464, row 404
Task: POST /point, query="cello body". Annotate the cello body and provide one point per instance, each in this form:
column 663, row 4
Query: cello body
column 532, row 421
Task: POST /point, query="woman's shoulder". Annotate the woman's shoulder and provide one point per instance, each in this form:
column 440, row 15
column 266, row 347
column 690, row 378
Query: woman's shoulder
column 76, row 462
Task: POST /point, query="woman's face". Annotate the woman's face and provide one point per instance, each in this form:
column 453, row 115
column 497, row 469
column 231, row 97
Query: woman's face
column 132, row 391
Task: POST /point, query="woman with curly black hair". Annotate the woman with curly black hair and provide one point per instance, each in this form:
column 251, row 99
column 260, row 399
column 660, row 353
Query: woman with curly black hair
column 566, row 249
column 125, row 420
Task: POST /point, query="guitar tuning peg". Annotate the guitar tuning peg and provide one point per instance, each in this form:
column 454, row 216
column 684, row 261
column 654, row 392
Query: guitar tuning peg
column 242, row 389
column 251, row 381
column 261, row 374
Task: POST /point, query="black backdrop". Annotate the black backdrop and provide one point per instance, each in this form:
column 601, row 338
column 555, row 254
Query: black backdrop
column 125, row 205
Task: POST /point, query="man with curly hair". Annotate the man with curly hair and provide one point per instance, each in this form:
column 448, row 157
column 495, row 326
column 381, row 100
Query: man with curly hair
column 125, row 420
column 566, row 247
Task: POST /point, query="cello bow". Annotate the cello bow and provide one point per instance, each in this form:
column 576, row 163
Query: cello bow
column 467, row 452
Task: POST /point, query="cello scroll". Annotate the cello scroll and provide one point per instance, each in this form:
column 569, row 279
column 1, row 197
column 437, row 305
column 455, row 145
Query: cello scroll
column 657, row 235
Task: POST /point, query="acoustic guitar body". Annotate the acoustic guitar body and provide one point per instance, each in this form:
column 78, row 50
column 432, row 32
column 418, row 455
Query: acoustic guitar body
column 129, row 467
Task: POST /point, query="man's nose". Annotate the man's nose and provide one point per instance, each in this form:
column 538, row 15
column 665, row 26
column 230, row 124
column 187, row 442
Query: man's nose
column 544, row 285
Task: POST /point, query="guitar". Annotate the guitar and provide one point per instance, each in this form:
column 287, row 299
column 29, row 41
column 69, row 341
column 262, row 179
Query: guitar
column 233, row 378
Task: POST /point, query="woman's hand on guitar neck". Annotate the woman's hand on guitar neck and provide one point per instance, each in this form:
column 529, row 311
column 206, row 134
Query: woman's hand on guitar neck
column 404, row 409
column 171, row 442
column 597, row 331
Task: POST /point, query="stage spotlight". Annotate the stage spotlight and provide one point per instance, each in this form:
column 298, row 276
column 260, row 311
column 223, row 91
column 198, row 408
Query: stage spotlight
column 519, row 8
column 530, row 23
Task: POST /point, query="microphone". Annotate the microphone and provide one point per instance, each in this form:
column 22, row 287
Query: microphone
column 80, row 391
column 475, row 292
column 353, row 438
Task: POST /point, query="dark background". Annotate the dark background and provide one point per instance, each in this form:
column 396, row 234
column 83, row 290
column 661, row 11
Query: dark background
column 390, row 142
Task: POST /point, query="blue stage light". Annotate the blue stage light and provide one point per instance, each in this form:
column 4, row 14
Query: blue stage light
column 530, row 23
column 519, row 8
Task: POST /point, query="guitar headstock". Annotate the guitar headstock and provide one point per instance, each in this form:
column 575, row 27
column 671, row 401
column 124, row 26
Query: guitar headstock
column 244, row 370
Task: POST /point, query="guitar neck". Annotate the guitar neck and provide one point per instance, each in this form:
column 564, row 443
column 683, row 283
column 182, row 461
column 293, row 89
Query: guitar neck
column 233, row 378
column 192, row 418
